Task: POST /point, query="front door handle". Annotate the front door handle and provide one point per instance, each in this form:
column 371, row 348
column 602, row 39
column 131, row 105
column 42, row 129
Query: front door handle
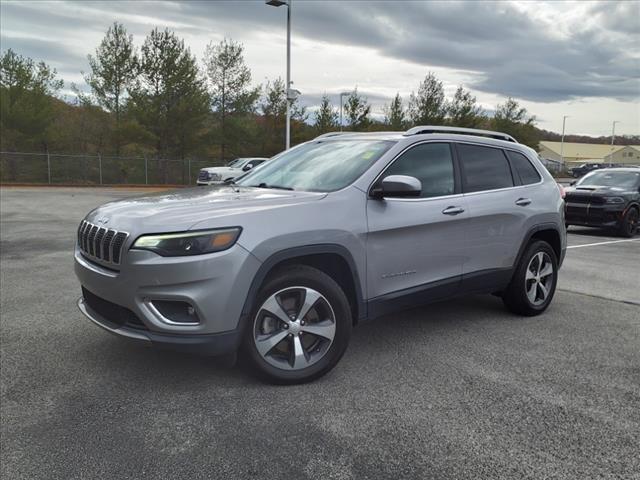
column 523, row 202
column 453, row 210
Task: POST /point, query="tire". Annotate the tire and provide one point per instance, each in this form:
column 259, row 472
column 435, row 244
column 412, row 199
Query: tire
column 629, row 224
column 525, row 294
column 282, row 346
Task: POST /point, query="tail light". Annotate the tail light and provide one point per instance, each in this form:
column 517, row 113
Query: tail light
column 562, row 191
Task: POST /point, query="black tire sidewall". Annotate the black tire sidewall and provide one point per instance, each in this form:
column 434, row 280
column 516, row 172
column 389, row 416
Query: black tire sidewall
column 300, row 276
column 624, row 226
column 516, row 296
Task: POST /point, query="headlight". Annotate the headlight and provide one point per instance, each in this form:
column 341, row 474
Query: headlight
column 614, row 200
column 188, row 243
column 215, row 176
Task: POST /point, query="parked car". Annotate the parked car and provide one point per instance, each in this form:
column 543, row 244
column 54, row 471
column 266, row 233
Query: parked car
column 577, row 172
column 220, row 175
column 606, row 198
column 280, row 265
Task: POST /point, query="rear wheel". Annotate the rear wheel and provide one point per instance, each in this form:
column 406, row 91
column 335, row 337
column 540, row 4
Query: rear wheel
column 629, row 224
column 300, row 326
column 534, row 281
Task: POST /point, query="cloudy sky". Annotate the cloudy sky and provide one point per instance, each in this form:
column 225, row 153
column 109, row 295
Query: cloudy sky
column 580, row 59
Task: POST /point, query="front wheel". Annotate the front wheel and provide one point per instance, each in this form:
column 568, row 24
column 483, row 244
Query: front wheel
column 534, row 280
column 629, row 223
column 299, row 328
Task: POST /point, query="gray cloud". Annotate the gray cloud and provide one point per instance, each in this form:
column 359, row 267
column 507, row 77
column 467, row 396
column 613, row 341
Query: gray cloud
column 510, row 53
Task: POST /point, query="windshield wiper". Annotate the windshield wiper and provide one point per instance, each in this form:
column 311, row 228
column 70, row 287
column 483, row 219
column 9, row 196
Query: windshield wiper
column 277, row 187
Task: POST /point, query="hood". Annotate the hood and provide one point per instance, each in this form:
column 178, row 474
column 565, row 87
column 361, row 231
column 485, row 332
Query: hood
column 596, row 190
column 180, row 210
column 220, row 169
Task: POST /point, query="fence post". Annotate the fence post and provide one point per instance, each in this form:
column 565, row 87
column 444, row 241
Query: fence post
column 48, row 167
column 100, row 167
column 146, row 176
column 189, row 171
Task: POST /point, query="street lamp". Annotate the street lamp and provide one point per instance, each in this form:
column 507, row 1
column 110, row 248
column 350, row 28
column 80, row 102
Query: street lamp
column 613, row 137
column 342, row 94
column 291, row 95
column 564, row 119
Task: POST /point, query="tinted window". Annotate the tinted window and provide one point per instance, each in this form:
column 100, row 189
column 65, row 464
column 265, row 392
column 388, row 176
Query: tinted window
column 484, row 168
column 432, row 164
column 527, row 172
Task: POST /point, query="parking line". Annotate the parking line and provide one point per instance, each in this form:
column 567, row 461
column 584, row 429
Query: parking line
column 603, row 243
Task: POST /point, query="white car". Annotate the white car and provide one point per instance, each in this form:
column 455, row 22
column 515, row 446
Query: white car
column 219, row 175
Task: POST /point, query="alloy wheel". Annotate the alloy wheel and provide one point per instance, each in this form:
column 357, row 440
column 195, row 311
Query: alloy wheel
column 294, row 328
column 539, row 278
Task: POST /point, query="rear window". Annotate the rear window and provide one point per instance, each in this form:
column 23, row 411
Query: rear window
column 527, row 172
column 484, row 168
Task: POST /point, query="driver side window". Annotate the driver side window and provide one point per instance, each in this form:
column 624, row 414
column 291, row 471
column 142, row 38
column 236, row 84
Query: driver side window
column 432, row 164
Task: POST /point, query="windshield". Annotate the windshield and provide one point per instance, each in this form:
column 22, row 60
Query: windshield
column 318, row 166
column 610, row 179
column 235, row 163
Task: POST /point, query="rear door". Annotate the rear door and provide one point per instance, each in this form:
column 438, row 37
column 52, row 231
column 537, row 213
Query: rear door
column 497, row 210
column 418, row 243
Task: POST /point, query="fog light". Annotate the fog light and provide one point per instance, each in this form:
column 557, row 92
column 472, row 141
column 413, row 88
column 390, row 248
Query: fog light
column 174, row 312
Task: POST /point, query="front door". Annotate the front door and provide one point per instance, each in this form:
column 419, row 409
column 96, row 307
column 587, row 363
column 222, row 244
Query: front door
column 417, row 244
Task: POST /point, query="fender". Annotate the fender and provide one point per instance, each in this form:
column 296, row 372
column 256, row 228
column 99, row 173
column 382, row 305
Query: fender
column 530, row 233
column 294, row 252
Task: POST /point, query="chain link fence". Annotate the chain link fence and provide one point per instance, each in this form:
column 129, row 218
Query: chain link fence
column 56, row 169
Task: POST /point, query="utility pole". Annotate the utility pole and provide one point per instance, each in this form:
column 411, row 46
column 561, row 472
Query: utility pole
column 564, row 119
column 613, row 137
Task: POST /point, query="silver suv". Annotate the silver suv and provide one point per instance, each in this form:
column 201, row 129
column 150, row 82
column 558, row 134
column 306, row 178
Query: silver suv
column 347, row 227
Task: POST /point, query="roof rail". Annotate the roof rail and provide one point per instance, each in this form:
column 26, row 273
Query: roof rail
column 462, row 131
column 331, row 134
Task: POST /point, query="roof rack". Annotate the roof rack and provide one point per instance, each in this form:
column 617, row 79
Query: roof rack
column 462, row 131
column 330, row 134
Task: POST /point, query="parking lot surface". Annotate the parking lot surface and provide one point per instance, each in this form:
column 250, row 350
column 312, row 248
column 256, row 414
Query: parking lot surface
column 459, row 389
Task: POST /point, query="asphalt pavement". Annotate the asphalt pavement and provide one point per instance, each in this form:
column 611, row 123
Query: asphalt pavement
column 457, row 390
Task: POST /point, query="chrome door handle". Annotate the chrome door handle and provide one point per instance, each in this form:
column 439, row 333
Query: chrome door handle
column 453, row 210
column 523, row 202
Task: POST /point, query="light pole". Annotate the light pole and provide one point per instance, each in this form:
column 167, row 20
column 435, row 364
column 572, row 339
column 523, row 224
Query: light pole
column 289, row 93
column 342, row 94
column 613, row 137
column 564, row 119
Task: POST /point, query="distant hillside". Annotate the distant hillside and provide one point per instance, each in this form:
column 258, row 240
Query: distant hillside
column 619, row 140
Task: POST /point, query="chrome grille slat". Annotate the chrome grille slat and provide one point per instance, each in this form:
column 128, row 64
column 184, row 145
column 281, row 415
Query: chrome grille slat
column 101, row 243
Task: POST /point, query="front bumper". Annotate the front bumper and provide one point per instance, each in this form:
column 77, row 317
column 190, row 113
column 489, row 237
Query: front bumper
column 210, row 182
column 215, row 285
column 213, row 344
column 590, row 215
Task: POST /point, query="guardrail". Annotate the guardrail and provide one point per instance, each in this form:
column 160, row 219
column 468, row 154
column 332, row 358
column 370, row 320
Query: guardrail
column 50, row 168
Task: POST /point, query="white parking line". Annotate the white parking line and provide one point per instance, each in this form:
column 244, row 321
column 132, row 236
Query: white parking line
column 604, row 243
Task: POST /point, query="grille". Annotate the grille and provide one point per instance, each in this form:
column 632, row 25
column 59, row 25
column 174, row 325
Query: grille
column 101, row 243
column 203, row 175
column 121, row 316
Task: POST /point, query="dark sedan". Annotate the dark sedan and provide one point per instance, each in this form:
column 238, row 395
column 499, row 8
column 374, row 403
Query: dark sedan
column 606, row 198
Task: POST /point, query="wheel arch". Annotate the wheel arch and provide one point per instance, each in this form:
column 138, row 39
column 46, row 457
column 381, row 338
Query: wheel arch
column 548, row 232
column 332, row 259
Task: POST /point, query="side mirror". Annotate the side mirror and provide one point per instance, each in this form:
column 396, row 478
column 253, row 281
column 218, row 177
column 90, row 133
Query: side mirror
column 397, row 186
column 247, row 167
column 573, row 183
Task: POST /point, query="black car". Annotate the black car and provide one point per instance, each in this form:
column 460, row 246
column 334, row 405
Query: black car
column 585, row 168
column 609, row 197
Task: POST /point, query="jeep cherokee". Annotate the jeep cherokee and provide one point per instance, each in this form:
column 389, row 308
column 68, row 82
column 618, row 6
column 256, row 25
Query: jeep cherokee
column 280, row 265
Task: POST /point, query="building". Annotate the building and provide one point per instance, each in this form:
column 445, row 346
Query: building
column 578, row 153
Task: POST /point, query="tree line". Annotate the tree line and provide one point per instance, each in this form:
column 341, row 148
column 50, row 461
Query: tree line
column 159, row 100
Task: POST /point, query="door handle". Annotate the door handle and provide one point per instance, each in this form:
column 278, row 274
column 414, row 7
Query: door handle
column 523, row 202
column 453, row 210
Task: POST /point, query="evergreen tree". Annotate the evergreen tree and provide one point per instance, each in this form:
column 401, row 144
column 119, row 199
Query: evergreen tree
column 357, row 112
column 326, row 117
column 395, row 116
column 26, row 103
column 513, row 119
column 231, row 92
column 463, row 110
column 427, row 107
column 113, row 70
column 169, row 96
